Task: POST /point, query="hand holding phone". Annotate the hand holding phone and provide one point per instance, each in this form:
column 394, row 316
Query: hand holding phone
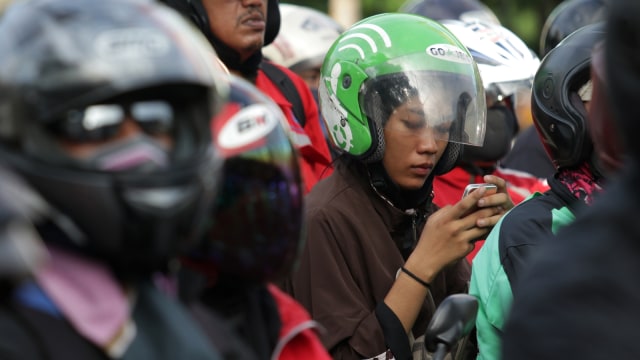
column 491, row 189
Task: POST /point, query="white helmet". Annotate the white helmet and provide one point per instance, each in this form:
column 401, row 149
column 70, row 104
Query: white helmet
column 304, row 38
column 465, row 10
column 506, row 64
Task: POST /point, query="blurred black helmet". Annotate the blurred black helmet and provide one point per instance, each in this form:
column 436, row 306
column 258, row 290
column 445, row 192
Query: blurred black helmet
column 602, row 126
column 257, row 219
column 567, row 17
column 622, row 54
column 465, row 10
column 558, row 111
column 61, row 58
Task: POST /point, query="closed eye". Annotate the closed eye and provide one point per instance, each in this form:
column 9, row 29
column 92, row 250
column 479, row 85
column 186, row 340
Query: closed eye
column 414, row 124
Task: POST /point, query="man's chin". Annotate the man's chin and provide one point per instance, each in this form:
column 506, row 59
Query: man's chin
column 250, row 49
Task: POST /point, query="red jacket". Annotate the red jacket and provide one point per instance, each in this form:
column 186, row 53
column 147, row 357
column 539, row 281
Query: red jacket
column 298, row 338
column 315, row 161
column 448, row 188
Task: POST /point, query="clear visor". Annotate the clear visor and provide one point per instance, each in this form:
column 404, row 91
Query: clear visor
column 448, row 106
column 518, row 95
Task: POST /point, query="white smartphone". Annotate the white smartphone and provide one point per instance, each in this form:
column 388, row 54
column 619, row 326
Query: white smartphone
column 491, row 189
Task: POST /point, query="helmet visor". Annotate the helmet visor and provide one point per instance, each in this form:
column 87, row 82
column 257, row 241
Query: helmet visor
column 519, row 94
column 449, row 105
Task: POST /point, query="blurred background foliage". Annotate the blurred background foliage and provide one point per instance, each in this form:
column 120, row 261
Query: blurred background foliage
column 523, row 17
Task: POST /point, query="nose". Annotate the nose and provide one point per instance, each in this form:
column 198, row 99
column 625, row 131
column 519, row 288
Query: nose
column 130, row 129
column 253, row 3
column 427, row 142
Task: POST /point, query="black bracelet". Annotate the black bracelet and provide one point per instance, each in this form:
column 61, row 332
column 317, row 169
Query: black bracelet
column 416, row 278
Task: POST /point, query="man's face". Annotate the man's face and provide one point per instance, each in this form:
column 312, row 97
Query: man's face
column 240, row 24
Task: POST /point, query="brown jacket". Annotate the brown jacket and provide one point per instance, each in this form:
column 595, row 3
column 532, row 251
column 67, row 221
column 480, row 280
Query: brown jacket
column 350, row 261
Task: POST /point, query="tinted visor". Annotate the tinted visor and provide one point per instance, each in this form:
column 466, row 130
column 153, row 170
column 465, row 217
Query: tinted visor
column 101, row 122
column 516, row 95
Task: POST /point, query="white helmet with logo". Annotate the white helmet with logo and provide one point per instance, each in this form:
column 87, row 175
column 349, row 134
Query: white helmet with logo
column 304, row 38
column 507, row 66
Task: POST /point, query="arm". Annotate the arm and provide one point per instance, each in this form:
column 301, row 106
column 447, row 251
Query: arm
column 489, row 284
column 331, row 283
column 446, row 238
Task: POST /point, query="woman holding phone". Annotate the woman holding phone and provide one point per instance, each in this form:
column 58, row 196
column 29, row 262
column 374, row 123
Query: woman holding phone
column 379, row 255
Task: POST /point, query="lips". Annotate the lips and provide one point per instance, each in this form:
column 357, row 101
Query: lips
column 422, row 169
column 254, row 20
column 427, row 166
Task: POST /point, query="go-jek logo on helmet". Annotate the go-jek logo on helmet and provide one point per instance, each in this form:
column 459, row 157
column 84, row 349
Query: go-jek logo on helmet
column 449, row 52
column 337, row 125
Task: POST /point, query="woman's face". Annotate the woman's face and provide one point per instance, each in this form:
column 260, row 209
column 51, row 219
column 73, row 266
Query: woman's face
column 412, row 147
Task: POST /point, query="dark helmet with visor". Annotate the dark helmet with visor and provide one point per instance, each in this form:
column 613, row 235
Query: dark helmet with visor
column 72, row 71
column 256, row 230
column 559, row 89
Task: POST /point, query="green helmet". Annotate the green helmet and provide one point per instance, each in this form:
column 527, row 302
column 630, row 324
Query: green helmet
column 387, row 59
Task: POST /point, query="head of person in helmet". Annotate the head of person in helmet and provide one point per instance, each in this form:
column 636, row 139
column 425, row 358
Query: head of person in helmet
column 256, row 223
column 621, row 69
column 300, row 27
column 464, row 10
column 560, row 100
column 389, row 100
column 601, row 123
column 507, row 67
column 567, row 17
column 237, row 29
column 107, row 114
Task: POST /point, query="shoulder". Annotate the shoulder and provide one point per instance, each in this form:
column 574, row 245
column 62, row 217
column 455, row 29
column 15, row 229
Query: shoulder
column 537, row 214
column 337, row 191
column 297, row 81
column 295, row 78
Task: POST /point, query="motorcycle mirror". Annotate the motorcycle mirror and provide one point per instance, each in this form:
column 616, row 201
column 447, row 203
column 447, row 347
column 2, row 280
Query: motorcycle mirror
column 453, row 319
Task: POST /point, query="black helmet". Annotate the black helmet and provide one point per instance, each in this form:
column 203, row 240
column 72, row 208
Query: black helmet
column 465, row 10
column 257, row 220
column 622, row 52
column 60, row 58
column 567, row 17
column 558, row 112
